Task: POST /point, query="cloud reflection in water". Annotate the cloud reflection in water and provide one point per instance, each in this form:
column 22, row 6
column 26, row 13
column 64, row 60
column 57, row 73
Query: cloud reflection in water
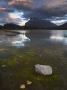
column 19, row 40
column 59, row 35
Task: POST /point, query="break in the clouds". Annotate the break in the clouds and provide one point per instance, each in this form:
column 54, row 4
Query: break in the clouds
column 20, row 11
column 17, row 18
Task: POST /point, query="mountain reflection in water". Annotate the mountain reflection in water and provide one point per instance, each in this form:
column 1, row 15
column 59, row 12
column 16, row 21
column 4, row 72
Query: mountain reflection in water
column 19, row 40
column 36, row 36
column 14, row 40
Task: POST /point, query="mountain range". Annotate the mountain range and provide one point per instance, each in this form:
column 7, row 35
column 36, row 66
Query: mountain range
column 34, row 23
column 39, row 24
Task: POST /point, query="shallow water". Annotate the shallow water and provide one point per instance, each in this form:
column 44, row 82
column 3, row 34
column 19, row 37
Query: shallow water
column 21, row 50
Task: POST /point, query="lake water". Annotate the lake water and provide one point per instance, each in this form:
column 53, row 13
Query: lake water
column 20, row 50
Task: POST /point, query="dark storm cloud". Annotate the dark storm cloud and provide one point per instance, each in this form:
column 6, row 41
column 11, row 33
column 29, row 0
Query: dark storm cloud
column 53, row 6
column 39, row 4
column 40, row 7
column 32, row 8
column 46, row 6
column 3, row 3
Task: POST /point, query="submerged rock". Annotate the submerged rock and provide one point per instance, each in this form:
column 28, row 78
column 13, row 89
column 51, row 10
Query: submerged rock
column 43, row 69
column 3, row 49
column 29, row 82
column 22, row 86
column 3, row 66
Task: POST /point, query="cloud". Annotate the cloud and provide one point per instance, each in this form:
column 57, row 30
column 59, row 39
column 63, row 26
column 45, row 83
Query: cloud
column 3, row 9
column 53, row 3
column 48, row 6
column 42, row 4
column 58, row 20
column 17, row 18
column 10, row 10
column 3, row 3
column 55, row 7
column 25, row 3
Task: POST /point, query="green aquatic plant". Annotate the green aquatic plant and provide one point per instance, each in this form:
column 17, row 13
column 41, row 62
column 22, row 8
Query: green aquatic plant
column 19, row 67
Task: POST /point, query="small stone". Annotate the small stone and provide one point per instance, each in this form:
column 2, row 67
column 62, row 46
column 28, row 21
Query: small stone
column 3, row 49
column 22, row 86
column 43, row 69
column 28, row 82
column 20, row 56
column 3, row 66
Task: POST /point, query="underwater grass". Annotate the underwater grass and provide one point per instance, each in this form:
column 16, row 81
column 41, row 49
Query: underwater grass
column 19, row 67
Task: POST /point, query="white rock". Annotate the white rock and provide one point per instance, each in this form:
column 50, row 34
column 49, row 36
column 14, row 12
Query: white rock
column 22, row 86
column 43, row 69
column 3, row 66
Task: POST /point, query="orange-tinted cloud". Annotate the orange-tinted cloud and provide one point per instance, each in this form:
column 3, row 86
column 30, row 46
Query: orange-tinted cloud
column 43, row 4
column 2, row 9
column 23, row 2
column 54, row 3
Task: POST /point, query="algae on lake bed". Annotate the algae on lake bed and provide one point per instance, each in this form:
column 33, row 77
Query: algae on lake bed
column 19, row 67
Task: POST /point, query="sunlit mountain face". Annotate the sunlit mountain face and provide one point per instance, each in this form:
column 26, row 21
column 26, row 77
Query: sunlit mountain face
column 20, row 11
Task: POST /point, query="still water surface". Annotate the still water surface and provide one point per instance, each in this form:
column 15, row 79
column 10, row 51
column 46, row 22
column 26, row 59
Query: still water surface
column 27, row 37
column 50, row 47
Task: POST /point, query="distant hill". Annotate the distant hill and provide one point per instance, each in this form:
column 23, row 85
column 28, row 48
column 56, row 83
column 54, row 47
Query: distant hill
column 1, row 27
column 63, row 27
column 35, row 23
column 12, row 26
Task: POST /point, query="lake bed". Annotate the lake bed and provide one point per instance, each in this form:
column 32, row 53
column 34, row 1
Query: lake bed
column 21, row 50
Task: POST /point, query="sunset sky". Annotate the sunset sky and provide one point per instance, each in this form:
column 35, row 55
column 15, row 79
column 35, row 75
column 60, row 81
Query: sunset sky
column 20, row 11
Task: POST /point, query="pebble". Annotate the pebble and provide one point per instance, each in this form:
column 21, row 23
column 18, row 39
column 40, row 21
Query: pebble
column 22, row 86
column 28, row 82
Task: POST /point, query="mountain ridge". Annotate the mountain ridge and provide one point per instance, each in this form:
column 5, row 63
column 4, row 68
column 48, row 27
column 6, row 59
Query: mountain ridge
column 34, row 24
